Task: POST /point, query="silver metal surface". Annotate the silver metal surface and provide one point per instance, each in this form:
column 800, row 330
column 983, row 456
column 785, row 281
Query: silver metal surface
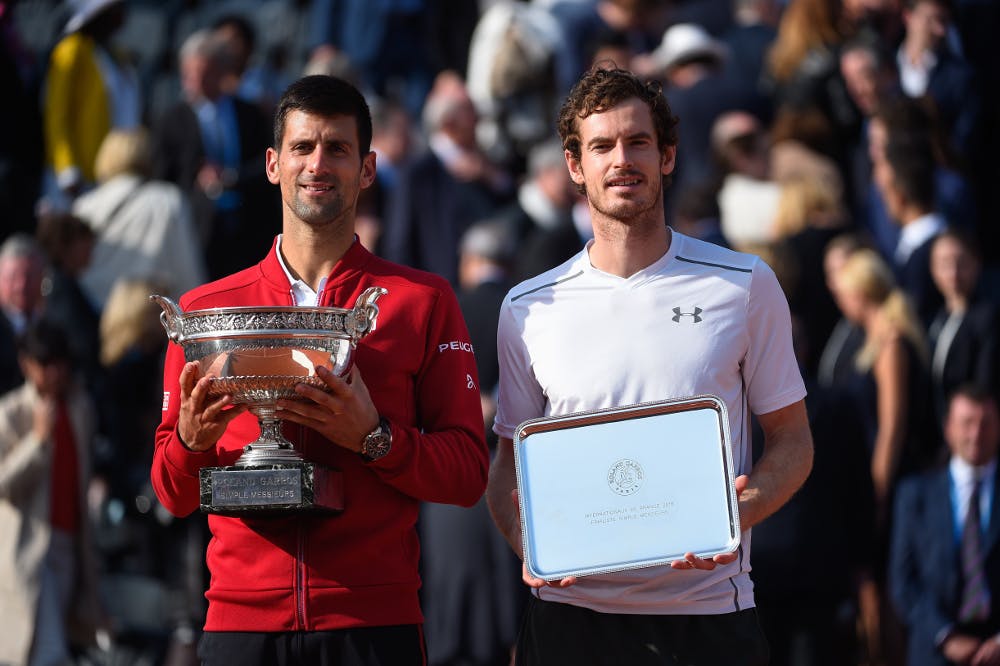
column 626, row 488
column 259, row 354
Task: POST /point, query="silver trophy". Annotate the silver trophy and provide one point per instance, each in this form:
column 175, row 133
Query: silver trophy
column 258, row 355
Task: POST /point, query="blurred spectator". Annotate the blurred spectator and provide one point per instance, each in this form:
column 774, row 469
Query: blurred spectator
column 696, row 214
column 472, row 590
column 871, row 80
column 48, row 574
column 239, row 35
column 20, row 157
column 905, row 178
column 750, row 38
column 389, row 43
column 144, row 227
column 89, row 90
column 803, row 69
column 893, row 390
column 963, row 333
column 945, row 567
column 904, row 121
column 22, row 268
column 748, row 198
column 212, row 144
column 642, row 22
column 487, row 251
column 836, row 366
column 444, row 190
column 541, row 219
column 811, row 620
column 131, row 349
column 802, row 147
column 69, row 243
column 518, row 71
column 892, row 395
column 331, row 62
column 611, row 46
column 929, row 67
column 692, row 63
column 258, row 79
column 809, row 216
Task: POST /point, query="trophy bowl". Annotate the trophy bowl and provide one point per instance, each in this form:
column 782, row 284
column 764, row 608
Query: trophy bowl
column 259, row 354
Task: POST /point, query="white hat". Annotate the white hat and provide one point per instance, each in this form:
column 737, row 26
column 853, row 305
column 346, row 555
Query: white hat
column 686, row 41
column 84, row 10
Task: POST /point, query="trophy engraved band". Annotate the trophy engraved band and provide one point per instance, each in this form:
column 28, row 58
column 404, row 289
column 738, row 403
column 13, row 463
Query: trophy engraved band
column 258, row 355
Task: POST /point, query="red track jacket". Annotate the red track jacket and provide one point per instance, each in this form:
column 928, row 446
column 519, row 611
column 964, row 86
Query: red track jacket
column 357, row 568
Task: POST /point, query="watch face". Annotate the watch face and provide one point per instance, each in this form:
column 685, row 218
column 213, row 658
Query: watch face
column 377, row 443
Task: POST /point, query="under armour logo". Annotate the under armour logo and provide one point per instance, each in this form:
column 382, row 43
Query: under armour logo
column 696, row 315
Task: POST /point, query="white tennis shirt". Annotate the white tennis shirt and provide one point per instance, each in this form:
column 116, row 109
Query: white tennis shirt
column 700, row 320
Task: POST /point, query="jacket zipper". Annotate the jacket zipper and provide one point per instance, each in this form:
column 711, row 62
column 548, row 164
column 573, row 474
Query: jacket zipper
column 300, row 578
column 301, row 618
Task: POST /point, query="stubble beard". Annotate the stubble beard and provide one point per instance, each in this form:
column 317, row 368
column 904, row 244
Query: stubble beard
column 630, row 213
column 318, row 215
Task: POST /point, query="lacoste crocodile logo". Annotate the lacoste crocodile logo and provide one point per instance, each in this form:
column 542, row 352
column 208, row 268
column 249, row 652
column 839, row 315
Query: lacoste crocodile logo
column 695, row 316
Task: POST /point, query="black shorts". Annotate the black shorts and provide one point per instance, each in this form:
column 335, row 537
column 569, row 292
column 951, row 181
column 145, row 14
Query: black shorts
column 365, row 646
column 553, row 634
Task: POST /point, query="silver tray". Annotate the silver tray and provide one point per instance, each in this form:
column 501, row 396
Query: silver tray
column 625, row 488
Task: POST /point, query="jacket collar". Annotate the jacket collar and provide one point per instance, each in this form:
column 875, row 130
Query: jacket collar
column 350, row 265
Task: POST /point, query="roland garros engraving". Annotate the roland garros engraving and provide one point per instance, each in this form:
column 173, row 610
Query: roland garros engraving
column 625, row 477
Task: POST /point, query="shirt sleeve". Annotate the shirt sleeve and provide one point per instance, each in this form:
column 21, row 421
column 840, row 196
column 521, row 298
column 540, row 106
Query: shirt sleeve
column 770, row 369
column 519, row 395
column 174, row 473
column 444, row 458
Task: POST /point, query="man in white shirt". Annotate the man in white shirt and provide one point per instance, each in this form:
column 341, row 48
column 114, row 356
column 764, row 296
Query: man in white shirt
column 642, row 314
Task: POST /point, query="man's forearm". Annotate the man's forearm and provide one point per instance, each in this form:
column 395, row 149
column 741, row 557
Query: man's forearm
column 784, row 467
column 502, row 482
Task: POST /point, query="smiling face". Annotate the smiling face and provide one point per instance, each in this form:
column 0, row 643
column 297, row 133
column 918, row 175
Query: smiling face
column 320, row 169
column 621, row 166
column 972, row 429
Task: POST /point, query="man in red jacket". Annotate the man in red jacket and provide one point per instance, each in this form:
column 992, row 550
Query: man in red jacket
column 331, row 589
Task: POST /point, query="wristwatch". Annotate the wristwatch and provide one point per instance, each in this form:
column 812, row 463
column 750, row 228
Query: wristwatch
column 378, row 442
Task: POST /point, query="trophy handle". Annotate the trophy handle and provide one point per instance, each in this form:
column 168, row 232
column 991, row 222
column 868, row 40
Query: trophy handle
column 365, row 312
column 170, row 317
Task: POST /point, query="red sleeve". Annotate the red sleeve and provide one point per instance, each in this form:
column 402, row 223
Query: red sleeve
column 444, row 459
column 174, row 473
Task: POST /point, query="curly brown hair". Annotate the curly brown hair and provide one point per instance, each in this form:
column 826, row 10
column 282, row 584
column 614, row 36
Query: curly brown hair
column 603, row 88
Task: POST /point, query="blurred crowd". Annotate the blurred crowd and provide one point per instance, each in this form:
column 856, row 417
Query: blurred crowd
column 850, row 143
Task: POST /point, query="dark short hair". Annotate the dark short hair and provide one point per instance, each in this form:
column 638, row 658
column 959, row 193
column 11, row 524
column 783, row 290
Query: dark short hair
column 603, row 88
column 325, row 96
column 965, row 238
column 973, row 391
column 911, row 160
column 58, row 231
column 44, row 341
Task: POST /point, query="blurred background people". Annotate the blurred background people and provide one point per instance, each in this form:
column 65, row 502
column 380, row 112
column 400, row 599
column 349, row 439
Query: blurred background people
column 212, row 145
column 48, row 574
column 143, row 228
column 748, row 198
column 68, row 243
column 446, row 188
column 945, row 567
column 22, row 269
column 89, row 89
column 893, row 390
column 963, row 333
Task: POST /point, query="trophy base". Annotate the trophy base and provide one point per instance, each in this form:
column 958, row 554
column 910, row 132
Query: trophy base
column 276, row 489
